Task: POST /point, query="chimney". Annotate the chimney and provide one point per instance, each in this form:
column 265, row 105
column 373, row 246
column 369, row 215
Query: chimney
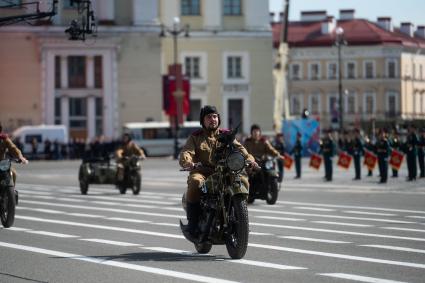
column 420, row 31
column 313, row 16
column 407, row 28
column 328, row 25
column 281, row 16
column 271, row 14
column 347, row 14
column 385, row 23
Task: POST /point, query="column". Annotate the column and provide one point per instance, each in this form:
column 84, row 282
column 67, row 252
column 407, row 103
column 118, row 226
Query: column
column 91, row 117
column 145, row 12
column 65, row 111
column 105, row 11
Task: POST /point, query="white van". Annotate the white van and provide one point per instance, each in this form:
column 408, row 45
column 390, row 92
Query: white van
column 41, row 133
column 156, row 138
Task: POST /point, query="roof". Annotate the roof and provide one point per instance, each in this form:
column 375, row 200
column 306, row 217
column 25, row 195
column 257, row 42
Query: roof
column 356, row 32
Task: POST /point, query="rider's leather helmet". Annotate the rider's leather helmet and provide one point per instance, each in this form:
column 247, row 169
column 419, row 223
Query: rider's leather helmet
column 255, row 127
column 206, row 110
column 128, row 135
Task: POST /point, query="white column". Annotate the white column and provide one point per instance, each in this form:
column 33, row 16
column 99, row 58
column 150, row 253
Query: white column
column 49, row 102
column 108, row 100
column 65, row 111
column 90, row 71
column 256, row 15
column 169, row 10
column 145, row 12
column 212, row 12
column 105, row 10
column 64, row 71
column 91, row 117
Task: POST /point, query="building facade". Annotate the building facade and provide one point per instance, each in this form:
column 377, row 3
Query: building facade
column 383, row 81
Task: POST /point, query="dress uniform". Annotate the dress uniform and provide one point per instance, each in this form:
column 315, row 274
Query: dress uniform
column 370, row 146
column 7, row 146
column 395, row 144
column 383, row 152
column 297, row 152
column 421, row 153
column 411, row 153
column 355, row 148
column 328, row 151
column 128, row 148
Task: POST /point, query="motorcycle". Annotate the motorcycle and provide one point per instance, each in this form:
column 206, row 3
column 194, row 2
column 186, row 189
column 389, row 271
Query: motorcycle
column 8, row 195
column 104, row 171
column 224, row 216
column 263, row 184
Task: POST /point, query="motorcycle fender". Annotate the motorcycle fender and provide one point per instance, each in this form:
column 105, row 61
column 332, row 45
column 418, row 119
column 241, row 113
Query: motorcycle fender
column 273, row 173
column 238, row 188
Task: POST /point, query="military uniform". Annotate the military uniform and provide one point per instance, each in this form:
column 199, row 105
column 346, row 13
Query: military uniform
column 259, row 148
column 280, row 147
column 126, row 150
column 201, row 147
column 370, row 146
column 411, row 152
column 355, row 148
column 297, row 152
column 383, row 152
column 395, row 144
column 421, row 155
column 327, row 148
column 7, row 146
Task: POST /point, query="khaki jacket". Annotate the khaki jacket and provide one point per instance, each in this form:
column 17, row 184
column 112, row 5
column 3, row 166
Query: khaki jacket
column 201, row 147
column 130, row 149
column 260, row 148
column 7, row 146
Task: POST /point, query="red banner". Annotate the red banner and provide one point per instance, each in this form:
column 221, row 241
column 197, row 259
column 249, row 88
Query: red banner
column 288, row 161
column 172, row 101
column 315, row 161
column 344, row 160
column 396, row 159
column 370, row 160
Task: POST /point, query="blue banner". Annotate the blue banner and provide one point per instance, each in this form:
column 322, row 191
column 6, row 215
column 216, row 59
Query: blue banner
column 310, row 134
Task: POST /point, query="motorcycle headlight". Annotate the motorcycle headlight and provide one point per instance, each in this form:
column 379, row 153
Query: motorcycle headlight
column 235, row 161
column 269, row 164
column 4, row 165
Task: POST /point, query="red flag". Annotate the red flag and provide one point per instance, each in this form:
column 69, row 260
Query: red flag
column 344, row 160
column 396, row 159
column 288, row 161
column 315, row 161
column 370, row 160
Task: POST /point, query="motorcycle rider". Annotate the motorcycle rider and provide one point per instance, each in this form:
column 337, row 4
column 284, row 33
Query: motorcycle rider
column 8, row 147
column 258, row 146
column 200, row 149
column 127, row 149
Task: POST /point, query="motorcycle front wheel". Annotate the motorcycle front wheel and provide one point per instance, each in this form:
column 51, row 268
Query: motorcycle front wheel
column 137, row 183
column 273, row 192
column 7, row 207
column 237, row 238
column 203, row 248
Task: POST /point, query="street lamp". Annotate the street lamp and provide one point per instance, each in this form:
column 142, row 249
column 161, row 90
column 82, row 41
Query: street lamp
column 175, row 31
column 339, row 41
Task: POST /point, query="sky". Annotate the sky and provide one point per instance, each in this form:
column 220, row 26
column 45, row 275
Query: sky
column 399, row 10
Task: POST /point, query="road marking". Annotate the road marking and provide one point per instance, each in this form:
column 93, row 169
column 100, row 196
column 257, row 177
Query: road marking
column 153, row 270
column 86, row 215
column 128, row 220
column 50, row 211
column 166, row 224
column 16, row 229
column 342, row 256
column 336, row 231
column 404, row 229
column 280, row 218
column 106, row 202
column 342, row 224
column 51, row 234
column 109, row 242
column 416, row 217
column 313, row 208
column 261, row 234
column 240, row 261
column 369, row 213
column 111, row 228
column 334, row 216
column 395, row 248
column 313, row 240
column 359, row 278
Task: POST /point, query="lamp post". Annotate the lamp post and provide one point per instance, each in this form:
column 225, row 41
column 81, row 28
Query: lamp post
column 178, row 94
column 339, row 41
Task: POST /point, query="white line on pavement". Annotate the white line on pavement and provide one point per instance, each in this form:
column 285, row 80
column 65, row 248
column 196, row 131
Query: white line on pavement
column 280, row 218
column 153, row 270
column 86, row 215
column 359, row 278
column 342, row 224
column 128, row 220
column 313, row 208
column 108, row 242
column 342, row 256
column 313, row 240
column 395, row 248
column 416, row 217
column 50, row 211
column 51, row 234
column 369, row 213
column 261, row 234
column 16, row 229
column 404, row 229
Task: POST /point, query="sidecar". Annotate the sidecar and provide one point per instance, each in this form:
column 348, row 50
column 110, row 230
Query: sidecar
column 97, row 171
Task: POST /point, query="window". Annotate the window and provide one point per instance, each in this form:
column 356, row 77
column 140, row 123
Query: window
column 156, row 133
column 235, row 113
column 195, row 108
column 421, row 73
column 413, row 71
column 369, row 69
column 350, row 103
column 391, row 69
column 29, row 138
column 332, row 71
column 99, row 116
column 296, row 105
column 391, row 103
column 11, row 2
column 314, row 104
column 57, row 72
column 190, row 8
column 77, row 71
column 314, row 70
column 295, row 71
column 98, row 82
column 369, row 103
column 232, row 7
column 351, row 70
column 234, row 67
column 77, row 113
column 192, row 67
column 58, row 111
column 67, row 4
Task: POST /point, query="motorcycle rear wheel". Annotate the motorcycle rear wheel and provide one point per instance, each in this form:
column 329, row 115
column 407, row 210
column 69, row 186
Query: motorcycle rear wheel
column 237, row 238
column 7, row 207
column 137, row 184
column 203, row 248
column 273, row 192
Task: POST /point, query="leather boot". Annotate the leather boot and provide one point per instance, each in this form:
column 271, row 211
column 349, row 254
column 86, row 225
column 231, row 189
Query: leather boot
column 190, row 231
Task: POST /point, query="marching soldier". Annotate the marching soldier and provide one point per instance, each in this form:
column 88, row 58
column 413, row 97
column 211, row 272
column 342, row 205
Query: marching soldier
column 383, row 152
column 297, row 152
column 370, row 146
column 355, row 148
column 327, row 149
column 421, row 153
column 411, row 152
column 395, row 144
